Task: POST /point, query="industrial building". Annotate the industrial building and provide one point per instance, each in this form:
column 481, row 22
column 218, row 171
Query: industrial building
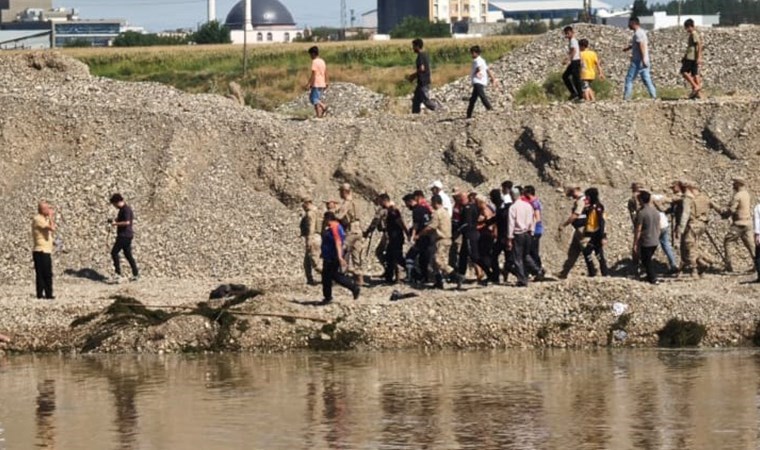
column 268, row 21
column 546, row 10
column 391, row 12
column 9, row 9
column 661, row 19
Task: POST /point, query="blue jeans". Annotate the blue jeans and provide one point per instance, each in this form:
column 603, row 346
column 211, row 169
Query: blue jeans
column 667, row 248
column 637, row 68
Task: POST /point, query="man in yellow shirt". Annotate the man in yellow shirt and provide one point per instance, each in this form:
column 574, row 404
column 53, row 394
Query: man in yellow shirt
column 590, row 68
column 43, row 228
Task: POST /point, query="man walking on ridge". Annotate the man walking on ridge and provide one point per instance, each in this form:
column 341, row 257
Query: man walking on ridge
column 640, row 60
column 739, row 211
column 572, row 75
column 43, row 228
column 479, row 77
column 317, row 82
column 424, row 79
column 692, row 60
column 124, row 235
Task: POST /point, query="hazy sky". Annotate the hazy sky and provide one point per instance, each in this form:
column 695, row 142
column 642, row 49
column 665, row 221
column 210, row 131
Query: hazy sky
column 157, row 15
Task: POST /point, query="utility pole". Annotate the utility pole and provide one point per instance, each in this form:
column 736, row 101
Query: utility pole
column 343, row 17
column 246, row 27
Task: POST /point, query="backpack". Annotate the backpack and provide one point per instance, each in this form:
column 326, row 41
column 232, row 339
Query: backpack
column 594, row 220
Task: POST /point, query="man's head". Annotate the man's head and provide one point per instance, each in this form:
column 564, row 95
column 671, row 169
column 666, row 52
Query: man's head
column 418, row 45
column 636, row 188
column 689, row 24
column 475, row 51
column 117, row 200
column 517, row 192
column 436, row 201
column 410, row 201
column 676, row 187
column 530, row 192
column 634, row 23
column 460, row 198
column 384, row 200
column 568, row 32
column 43, row 208
column 314, row 52
column 645, row 197
column 592, row 195
column 506, row 187
column 436, row 187
column 331, row 205
column 344, row 190
column 330, row 216
column 472, row 197
column 573, row 192
column 419, row 196
column 495, row 197
column 306, row 202
column 583, row 44
column 739, row 183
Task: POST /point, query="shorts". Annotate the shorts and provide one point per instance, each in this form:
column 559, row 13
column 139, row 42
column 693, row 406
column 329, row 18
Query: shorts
column 316, row 95
column 689, row 66
column 586, row 85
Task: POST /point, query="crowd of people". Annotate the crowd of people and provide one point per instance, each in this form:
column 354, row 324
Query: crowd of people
column 583, row 68
column 499, row 235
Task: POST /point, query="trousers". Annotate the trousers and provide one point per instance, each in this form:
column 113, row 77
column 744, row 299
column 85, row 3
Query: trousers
column 331, row 274
column 647, row 260
column 43, row 271
column 637, row 69
column 572, row 79
column 478, row 92
column 123, row 244
column 595, row 246
column 422, row 97
column 735, row 234
column 524, row 264
column 574, row 252
column 311, row 261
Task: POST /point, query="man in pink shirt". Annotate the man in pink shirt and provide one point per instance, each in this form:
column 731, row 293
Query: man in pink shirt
column 317, row 82
column 522, row 223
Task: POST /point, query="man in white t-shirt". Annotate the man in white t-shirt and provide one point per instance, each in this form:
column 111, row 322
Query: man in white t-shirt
column 479, row 76
column 572, row 75
column 436, row 187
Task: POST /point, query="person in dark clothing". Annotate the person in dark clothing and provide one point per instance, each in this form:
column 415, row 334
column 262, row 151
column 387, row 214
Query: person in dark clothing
column 423, row 77
column 468, row 229
column 333, row 263
column 419, row 255
column 647, row 237
column 501, row 221
column 596, row 233
column 124, row 224
column 396, row 231
column 535, row 247
column 572, row 75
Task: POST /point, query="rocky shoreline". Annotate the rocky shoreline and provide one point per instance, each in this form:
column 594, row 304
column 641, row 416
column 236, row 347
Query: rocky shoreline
column 578, row 313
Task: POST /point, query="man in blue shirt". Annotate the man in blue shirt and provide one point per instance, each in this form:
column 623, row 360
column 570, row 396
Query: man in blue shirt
column 333, row 237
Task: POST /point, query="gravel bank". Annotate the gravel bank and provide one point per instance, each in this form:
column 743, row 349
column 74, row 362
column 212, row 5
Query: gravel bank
column 577, row 313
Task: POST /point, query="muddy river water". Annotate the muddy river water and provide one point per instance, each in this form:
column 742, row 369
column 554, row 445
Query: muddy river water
column 621, row 399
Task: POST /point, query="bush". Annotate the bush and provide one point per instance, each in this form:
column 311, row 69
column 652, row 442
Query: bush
column 603, row 89
column 555, row 88
column 531, row 93
column 135, row 39
column 212, row 33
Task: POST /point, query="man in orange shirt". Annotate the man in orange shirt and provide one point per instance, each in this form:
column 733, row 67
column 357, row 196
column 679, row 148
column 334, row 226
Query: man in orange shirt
column 317, row 82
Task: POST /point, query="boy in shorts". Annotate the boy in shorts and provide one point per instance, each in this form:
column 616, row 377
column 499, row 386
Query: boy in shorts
column 590, row 68
column 692, row 59
column 317, row 82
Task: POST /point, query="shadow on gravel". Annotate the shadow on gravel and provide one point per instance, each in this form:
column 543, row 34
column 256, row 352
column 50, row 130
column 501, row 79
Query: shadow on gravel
column 87, row 274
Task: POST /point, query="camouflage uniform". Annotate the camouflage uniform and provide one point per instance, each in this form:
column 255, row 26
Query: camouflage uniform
column 310, row 232
column 692, row 227
column 348, row 217
column 741, row 228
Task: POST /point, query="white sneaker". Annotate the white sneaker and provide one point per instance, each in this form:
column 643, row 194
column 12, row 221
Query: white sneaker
column 135, row 278
column 117, row 279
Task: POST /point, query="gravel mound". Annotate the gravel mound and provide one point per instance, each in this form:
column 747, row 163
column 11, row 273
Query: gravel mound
column 729, row 52
column 343, row 99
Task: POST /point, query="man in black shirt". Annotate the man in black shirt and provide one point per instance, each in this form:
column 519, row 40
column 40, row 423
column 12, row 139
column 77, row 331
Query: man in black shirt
column 124, row 235
column 419, row 254
column 396, row 231
column 424, row 79
column 468, row 229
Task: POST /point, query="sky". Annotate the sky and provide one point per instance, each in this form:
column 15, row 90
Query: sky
column 158, row 15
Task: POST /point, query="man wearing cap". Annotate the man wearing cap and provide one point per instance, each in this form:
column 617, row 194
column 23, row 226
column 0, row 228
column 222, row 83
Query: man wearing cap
column 439, row 228
column 348, row 216
column 437, row 189
column 310, row 232
column 692, row 226
column 577, row 219
column 740, row 212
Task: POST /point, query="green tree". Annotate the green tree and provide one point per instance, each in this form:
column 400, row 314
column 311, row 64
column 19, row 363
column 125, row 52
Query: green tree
column 134, row 39
column 212, row 33
column 413, row 27
column 640, row 8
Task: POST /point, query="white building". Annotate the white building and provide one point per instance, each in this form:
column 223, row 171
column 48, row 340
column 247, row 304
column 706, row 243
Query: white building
column 661, row 19
column 369, row 19
column 268, row 21
column 546, row 10
column 452, row 11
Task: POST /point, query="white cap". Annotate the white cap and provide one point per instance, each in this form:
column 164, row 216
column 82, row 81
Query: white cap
column 436, row 184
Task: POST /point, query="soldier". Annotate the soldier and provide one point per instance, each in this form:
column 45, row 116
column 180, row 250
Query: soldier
column 692, row 226
column 439, row 229
column 577, row 219
column 348, row 216
column 396, row 232
column 740, row 212
column 310, row 232
column 379, row 224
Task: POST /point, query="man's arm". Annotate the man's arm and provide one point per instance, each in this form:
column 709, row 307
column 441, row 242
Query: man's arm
column 338, row 244
column 699, row 52
column 644, row 53
column 599, row 69
column 685, row 215
column 573, row 217
column 492, row 76
column 637, row 239
column 310, row 83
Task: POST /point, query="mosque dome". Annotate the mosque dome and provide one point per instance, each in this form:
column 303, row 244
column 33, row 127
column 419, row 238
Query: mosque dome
column 263, row 13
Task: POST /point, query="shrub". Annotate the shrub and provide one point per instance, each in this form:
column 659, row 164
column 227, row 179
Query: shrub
column 414, row 27
column 212, row 33
column 531, row 93
column 555, row 87
column 603, row 89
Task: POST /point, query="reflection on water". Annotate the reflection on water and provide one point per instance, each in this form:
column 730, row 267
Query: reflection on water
column 498, row 400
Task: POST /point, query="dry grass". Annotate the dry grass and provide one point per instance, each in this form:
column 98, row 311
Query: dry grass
column 278, row 72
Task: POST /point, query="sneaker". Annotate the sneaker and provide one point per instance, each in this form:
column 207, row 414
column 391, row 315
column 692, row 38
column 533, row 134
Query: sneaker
column 135, row 278
column 325, row 302
column 117, row 279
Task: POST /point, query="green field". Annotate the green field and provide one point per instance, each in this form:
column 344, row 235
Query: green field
column 277, row 73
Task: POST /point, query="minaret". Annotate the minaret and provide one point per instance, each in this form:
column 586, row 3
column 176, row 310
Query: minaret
column 248, row 25
column 211, row 10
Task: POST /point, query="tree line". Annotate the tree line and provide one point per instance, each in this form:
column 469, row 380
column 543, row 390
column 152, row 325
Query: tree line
column 210, row 33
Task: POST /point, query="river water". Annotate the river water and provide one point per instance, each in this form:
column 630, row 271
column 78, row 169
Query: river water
column 474, row 400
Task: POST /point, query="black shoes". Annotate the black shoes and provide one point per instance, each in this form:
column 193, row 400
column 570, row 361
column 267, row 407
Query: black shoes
column 356, row 291
column 325, row 302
